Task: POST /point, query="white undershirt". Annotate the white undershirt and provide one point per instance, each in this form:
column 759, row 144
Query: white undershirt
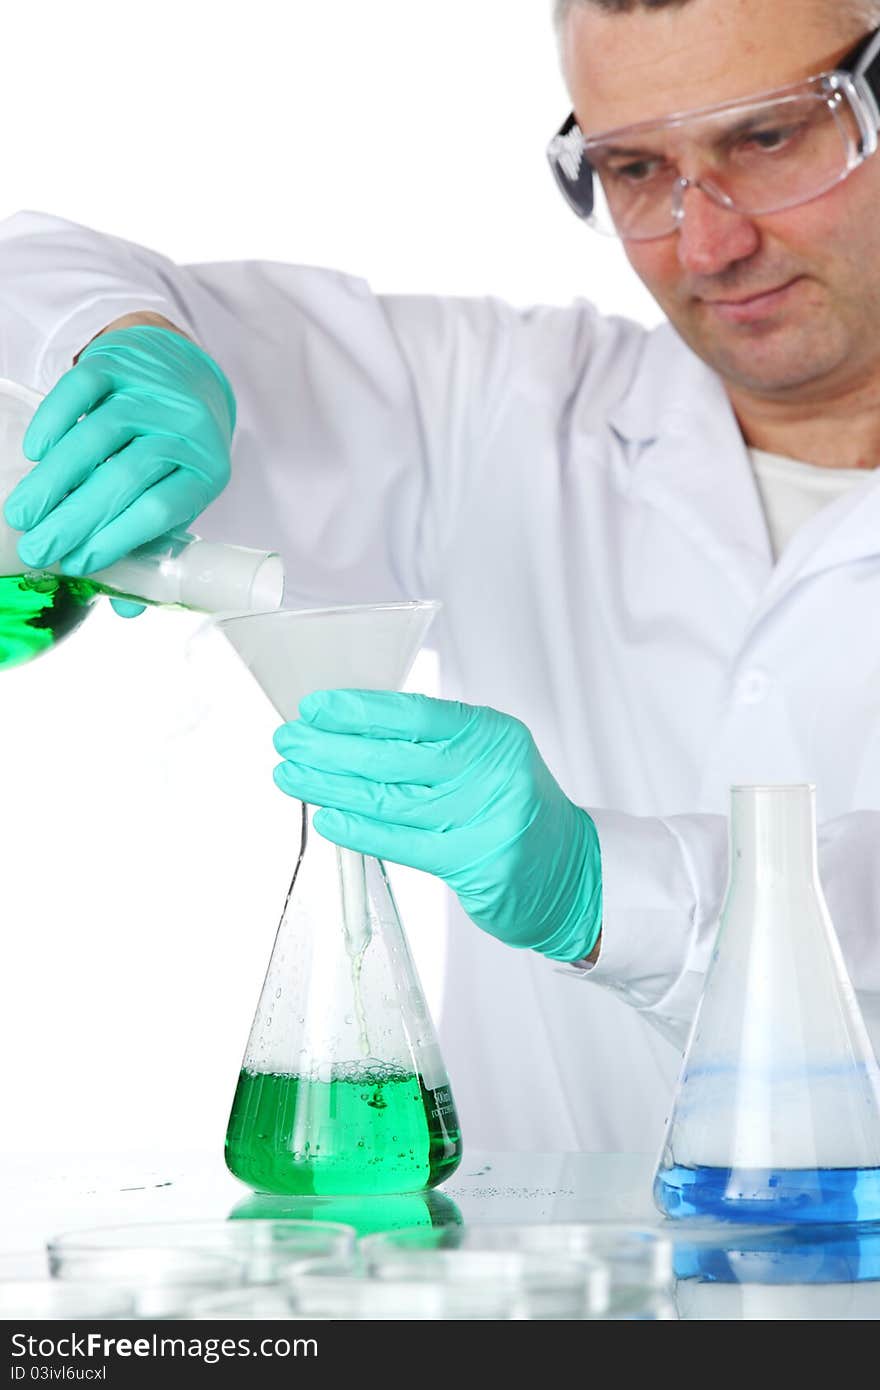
column 793, row 492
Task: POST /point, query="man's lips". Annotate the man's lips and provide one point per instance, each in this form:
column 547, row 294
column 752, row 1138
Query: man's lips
column 748, row 308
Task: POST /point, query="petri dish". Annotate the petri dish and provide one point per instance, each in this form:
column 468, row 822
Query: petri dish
column 261, row 1248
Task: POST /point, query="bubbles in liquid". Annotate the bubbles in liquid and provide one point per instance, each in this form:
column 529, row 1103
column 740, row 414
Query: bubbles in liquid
column 350, row 1128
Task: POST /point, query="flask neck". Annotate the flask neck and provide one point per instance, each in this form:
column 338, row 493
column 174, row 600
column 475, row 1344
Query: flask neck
column 773, row 835
column 183, row 569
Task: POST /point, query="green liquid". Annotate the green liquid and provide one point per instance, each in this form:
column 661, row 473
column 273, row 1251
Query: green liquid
column 386, row 1212
column 38, row 610
column 372, row 1132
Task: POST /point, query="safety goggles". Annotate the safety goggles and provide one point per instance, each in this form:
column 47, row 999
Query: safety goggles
column 756, row 155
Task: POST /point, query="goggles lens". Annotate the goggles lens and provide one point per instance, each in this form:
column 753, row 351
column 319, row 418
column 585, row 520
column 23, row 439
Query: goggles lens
column 752, row 158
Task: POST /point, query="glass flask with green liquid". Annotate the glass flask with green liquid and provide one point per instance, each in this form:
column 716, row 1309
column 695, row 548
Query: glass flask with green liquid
column 38, row 608
column 343, row 1089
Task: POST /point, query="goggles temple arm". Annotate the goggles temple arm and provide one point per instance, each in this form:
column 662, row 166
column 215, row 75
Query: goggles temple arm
column 571, row 168
column 865, row 71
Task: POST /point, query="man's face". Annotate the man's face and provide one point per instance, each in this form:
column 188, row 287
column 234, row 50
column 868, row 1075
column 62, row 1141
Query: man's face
column 784, row 305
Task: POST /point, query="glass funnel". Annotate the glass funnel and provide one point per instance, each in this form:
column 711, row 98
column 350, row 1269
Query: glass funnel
column 343, row 1089
column 777, row 1113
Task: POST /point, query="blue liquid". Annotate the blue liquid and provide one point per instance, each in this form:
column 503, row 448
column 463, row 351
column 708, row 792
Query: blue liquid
column 762, row 1194
column 809, row 1253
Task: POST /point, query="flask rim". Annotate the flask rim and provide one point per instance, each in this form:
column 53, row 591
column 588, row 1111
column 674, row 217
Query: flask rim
column 413, row 605
column 770, row 787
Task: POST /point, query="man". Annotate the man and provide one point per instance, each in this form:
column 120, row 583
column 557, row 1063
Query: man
column 658, row 551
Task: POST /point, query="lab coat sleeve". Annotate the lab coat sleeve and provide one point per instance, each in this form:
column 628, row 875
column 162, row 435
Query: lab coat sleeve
column 363, row 419
column 61, row 284
column 664, row 882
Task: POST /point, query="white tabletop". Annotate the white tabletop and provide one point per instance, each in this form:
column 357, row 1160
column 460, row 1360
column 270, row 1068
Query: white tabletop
column 52, row 1194
column 49, row 1194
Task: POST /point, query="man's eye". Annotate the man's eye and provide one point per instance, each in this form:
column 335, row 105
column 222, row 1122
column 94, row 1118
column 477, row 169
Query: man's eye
column 635, row 170
column 767, row 141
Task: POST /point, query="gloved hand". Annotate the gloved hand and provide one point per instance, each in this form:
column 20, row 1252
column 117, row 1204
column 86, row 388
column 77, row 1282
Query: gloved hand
column 456, row 790
column 132, row 442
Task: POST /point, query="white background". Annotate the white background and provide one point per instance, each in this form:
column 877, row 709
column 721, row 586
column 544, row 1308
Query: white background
column 145, row 850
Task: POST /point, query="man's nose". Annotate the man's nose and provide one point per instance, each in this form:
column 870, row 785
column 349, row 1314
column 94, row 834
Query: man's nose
column 711, row 238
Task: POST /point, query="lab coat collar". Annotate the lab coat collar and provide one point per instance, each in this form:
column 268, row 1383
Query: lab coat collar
column 670, row 379
column 688, row 458
column 843, row 533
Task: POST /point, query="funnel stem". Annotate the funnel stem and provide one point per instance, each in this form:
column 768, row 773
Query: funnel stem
column 356, row 925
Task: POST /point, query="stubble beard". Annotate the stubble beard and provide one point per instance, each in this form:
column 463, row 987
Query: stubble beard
column 769, row 360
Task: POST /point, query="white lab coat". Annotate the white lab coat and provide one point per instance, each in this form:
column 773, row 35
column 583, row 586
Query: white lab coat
column 576, row 491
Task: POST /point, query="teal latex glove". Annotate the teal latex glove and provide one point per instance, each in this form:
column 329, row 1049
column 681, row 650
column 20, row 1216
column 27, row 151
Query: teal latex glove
column 456, row 790
column 132, row 442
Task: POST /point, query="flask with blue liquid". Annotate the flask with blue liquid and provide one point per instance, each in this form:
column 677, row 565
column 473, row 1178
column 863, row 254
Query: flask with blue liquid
column 777, row 1113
